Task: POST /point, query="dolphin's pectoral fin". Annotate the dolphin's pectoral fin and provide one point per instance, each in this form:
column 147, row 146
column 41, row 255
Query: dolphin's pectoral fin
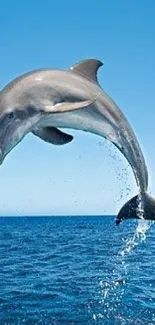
column 52, row 135
column 68, row 106
column 88, row 69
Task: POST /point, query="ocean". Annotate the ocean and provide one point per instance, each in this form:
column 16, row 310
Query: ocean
column 76, row 270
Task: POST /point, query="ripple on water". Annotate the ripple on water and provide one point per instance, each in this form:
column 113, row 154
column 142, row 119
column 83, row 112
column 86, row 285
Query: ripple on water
column 79, row 270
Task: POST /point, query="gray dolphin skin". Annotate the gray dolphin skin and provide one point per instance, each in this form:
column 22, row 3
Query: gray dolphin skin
column 44, row 100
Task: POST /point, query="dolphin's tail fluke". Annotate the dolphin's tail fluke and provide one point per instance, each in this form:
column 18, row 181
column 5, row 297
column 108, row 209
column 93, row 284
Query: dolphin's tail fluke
column 140, row 207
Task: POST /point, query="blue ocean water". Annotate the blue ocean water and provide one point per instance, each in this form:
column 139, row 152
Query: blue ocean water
column 76, row 270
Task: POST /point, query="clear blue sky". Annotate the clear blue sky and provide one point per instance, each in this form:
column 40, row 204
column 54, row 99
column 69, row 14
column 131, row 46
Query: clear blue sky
column 87, row 176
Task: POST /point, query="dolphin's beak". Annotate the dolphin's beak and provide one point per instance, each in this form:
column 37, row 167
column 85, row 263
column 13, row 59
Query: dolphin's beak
column 9, row 137
column 1, row 156
column 4, row 142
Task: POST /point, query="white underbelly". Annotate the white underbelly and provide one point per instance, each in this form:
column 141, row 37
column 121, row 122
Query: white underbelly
column 85, row 120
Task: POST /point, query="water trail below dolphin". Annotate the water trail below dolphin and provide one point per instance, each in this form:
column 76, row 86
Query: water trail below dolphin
column 112, row 291
column 139, row 236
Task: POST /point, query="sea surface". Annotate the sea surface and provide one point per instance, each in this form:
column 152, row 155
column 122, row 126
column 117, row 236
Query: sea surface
column 76, row 270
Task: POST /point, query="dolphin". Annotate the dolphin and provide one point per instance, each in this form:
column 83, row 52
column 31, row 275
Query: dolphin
column 42, row 101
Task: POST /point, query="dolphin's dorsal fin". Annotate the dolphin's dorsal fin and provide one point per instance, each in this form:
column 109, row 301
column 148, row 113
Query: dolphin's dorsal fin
column 88, row 69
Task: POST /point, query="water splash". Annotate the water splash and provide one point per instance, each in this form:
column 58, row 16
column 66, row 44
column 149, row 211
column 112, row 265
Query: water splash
column 111, row 296
column 112, row 291
column 140, row 233
column 139, row 236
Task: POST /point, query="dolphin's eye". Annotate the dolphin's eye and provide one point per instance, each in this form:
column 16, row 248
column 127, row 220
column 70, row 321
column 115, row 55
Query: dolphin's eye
column 10, row 115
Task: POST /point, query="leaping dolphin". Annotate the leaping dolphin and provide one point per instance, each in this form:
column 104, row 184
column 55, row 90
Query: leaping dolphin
column 43, row 100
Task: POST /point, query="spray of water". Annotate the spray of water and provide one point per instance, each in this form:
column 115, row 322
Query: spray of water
column 139, row 236
column 112, row 291
column 140, row 233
